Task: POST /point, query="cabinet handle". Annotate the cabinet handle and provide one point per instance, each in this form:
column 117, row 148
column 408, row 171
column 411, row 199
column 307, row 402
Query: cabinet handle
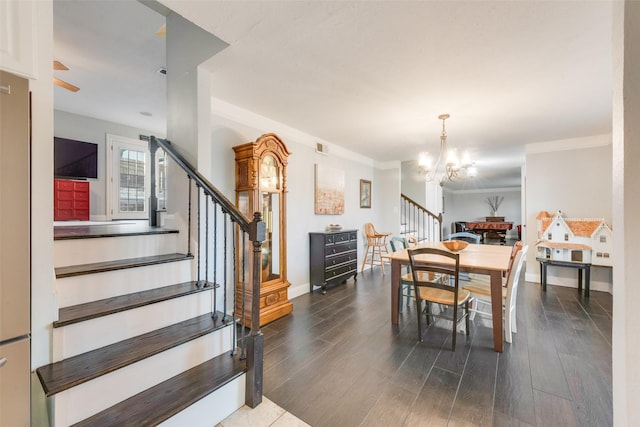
column 3, row 362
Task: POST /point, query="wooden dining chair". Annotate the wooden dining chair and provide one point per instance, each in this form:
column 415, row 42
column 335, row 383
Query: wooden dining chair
column 447, row 293
column 465, row 236
column 406, row 278
column 410, row 241
column 481, row 294
column 376, row 246
column 483, row 280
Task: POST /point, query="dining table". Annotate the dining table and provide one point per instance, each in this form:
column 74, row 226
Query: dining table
column 490, row 260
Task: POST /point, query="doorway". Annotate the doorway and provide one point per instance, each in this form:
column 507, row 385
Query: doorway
column 127, row 178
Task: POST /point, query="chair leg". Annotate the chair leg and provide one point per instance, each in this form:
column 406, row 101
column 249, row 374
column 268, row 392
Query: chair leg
column 400, row 297
column 380, row 259
column 419, row 312
column 474, row 307
column 507, row 325
column 454, row 335
column 364, row 259
column 466, row 309
column 428, row 311
column 514, row 327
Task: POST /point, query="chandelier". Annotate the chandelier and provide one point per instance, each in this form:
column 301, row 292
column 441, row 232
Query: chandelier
column 452, row 169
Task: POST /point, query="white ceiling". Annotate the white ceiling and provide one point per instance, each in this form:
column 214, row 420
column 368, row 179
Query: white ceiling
column 371, row 76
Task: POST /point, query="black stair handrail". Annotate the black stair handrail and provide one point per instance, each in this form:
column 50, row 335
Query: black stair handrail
column 230, row 208
column 415, row 215
column 252, row 345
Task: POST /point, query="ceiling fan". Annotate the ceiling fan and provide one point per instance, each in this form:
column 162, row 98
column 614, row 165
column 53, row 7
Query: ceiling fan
column 59, row 66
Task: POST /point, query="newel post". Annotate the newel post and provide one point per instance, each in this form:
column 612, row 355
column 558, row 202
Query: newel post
column 255, row 342
column 153, row 200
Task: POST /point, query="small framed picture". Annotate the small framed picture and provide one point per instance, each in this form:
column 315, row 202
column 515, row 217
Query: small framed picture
column 365, row 193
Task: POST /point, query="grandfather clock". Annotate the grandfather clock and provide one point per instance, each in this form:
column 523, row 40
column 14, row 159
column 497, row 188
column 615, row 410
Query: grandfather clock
column 261, row 186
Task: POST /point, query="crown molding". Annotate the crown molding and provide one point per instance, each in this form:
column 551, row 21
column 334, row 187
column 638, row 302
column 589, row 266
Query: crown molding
column 568, row 144
column 485, row 190
column 249, row 118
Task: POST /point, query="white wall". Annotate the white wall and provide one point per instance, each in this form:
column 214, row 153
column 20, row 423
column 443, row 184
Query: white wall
column 573, row 176
column 413, row 183
column 626, row 210
column 88, row 129
column 471, row 205
column 42, row 276
column 246, row 127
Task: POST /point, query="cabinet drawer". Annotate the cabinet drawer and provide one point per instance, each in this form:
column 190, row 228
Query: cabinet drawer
column 82, row 186
column 341, row 259
column 64, row 204
column 81, row 195
column 337, row 249
column 341, row 237
column 340, row 271
column 81, row 204
column 64, row 195
column 347, row 236
column 64, row 185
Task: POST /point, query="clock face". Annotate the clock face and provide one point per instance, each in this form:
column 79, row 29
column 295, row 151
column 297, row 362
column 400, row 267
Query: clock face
column 269, row 179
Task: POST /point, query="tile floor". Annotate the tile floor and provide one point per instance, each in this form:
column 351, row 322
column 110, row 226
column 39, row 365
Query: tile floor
column 267, row 414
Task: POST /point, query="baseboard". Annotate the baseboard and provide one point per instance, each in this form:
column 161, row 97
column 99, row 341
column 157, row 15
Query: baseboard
column 297, row 290
column 98, row 217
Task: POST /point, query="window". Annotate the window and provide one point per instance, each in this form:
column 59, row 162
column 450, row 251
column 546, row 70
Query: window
column 576, row 256
column 603, row 239
column 548, row 236
column 566, row 237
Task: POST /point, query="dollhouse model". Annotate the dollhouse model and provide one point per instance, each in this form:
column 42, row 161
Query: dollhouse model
column 574, row 239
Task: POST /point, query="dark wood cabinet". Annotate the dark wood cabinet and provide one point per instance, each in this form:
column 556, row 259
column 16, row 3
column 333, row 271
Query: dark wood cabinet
column 333, row 258
column 70, row 200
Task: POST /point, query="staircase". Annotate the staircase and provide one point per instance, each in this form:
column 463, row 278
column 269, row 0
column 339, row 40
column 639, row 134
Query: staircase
column 418, row 221
column 143, row 337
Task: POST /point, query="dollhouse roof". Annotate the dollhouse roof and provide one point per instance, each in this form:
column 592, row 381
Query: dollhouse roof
column 583, row 227
column 543, row 215
column 576, row 226
column 602, row 227
column 547, row 221
column 563, row 245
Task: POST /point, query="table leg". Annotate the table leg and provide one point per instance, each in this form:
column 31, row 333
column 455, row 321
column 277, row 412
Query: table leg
column 543, row 266
column 496, row 309
column 395, row 285
column 587, row 280
column 579, row 279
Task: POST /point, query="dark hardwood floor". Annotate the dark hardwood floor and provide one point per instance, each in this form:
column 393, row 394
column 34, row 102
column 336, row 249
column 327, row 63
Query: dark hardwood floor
column 338, row 361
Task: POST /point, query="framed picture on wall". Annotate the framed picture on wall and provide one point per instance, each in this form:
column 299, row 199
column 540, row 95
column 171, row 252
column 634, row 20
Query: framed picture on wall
column 329, row 191
column 365, row 193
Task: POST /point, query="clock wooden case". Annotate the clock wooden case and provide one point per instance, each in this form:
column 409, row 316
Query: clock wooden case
column 261, row 186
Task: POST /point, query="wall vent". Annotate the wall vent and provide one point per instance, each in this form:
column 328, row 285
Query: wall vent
column 322, row 149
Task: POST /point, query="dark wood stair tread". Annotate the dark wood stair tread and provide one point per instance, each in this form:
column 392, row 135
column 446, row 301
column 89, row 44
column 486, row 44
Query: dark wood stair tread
column 116, row 229
column 92, row 310
column 101, row 267
column 67, row 373
column 159, row 403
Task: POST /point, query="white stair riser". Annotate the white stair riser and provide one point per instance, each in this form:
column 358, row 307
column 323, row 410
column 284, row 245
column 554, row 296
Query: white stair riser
column 85, row 251
column 212, row 409
column 84, row 336
column 92, row 287
column 84, row 400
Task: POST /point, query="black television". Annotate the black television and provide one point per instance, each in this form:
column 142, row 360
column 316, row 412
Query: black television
column 74, row 159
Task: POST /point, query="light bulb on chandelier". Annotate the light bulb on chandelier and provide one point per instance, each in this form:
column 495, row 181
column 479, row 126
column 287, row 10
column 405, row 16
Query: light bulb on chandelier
column 452, row 169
